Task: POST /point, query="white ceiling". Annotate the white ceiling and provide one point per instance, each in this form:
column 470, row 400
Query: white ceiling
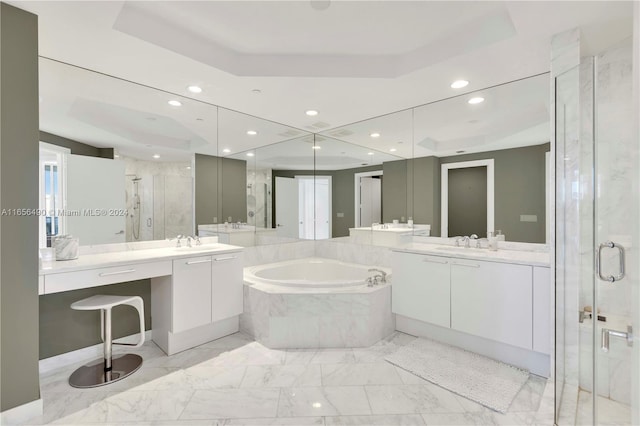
column 352, row 61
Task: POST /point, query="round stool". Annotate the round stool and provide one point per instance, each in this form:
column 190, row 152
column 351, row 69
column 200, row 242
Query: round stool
column 108, row 369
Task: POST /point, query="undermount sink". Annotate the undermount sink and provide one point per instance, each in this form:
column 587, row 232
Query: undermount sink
column 461, row 249
column 194, row 247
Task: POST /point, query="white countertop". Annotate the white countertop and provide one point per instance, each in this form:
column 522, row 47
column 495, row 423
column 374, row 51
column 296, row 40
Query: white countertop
column 128, row 257
column 522, row 257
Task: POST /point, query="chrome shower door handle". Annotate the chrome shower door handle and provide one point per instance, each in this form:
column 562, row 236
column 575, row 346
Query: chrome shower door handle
column 610, row 278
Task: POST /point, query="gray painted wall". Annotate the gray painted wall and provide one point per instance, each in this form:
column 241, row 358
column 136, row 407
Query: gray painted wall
column 424, row 177
column 519, row 189
column 19, row 382
column 206, row 189
column 396, row 183
column 63, row 329
column 233, row 190
column 76, row 147
column 221, row 189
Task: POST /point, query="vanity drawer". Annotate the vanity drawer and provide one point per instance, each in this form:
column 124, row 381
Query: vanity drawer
column 65, row 281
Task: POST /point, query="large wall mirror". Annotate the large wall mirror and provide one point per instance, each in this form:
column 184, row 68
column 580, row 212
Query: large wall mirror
column 467, row 167
column 121, row 162
column 117, row 157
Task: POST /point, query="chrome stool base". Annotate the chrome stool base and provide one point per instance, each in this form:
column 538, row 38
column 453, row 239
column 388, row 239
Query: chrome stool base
column 93, row 374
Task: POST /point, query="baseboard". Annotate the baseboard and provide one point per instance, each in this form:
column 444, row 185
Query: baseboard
column 537, row 363
column 84, row 354
column 22, row 413
column 178, row 342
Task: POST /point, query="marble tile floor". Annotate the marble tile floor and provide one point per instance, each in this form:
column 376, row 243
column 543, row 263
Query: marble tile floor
column 610, row 413
column 236, row 381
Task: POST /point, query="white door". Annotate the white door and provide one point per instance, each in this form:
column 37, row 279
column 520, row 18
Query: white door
column 286, row 207
column 95, row 204
column 322, row 196
column 370, row 200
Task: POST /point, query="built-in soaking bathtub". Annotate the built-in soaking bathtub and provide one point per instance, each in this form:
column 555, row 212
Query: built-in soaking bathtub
column 316, row 303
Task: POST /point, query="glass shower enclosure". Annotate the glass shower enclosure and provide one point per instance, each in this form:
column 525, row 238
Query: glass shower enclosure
column 597, row 367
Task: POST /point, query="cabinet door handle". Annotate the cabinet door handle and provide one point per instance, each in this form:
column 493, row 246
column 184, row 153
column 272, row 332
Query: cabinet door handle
column 106, row 274
column 468, row 265
column 220, row 259
column 195, row 262
column 443, row 262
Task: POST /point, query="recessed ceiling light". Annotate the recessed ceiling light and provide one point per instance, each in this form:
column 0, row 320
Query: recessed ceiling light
column 477, row 100
column 392, row 150
column 316, row 405
column 369, row 153
column 156, row 156
column 316, row 147
column 226, row 150
column 195, row 89
column 116, row 156
column 250, row 154
column 175, row 103
column 188, row 167
column 252, row 132
column 311, row 112
column 375, row 135
column 256, row 91
column 459, row 84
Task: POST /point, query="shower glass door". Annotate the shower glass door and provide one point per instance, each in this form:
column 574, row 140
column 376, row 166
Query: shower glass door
column 597, row 370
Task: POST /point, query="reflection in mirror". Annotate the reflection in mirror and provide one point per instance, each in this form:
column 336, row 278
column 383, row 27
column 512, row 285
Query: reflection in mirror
column 390, row 136
column 350, row 187
column 463, row 146
column 249, row 149
column 510, row 127
column 127, row 172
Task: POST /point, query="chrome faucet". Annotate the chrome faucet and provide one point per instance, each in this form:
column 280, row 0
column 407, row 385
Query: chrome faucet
column 178, row 238
column 382, row 275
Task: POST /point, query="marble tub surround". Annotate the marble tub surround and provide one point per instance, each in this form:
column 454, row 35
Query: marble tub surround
column 235, row 381
column 281, row 317
column 271, row 253
column 346, row 250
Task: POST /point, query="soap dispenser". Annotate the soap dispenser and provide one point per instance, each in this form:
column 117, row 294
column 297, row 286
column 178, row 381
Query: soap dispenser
column 493, row 241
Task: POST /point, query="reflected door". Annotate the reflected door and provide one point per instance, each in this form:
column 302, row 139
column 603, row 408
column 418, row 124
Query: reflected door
column 96, row 208
column 286, row 207
column 370, row 200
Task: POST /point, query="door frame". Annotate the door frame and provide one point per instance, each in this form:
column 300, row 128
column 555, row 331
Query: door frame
column 444, row 192
column 357, row 177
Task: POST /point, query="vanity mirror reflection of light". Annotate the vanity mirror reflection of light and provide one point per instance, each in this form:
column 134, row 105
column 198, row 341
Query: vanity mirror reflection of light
column 250, row 150
column 487, row 160
column 387, row 143
column 128, row 172
column 350, row 187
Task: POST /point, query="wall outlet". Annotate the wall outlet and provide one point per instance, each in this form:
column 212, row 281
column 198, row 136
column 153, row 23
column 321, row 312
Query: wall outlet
column 339, row 214
column 528, row 218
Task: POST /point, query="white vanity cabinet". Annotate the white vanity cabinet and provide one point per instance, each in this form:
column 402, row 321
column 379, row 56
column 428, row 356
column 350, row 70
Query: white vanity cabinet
column 191, row 293
column 492, row 300
column 226, row 286
column 199, row 302
column 421, row 287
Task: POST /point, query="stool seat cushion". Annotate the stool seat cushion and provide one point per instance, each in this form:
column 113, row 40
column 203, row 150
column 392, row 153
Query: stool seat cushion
column 102, row 301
